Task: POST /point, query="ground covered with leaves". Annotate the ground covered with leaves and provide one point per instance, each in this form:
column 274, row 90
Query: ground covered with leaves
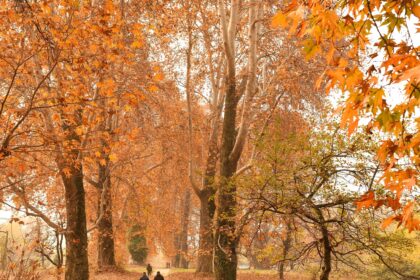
column 97, row 276
column 182, row 276
column 242, row 276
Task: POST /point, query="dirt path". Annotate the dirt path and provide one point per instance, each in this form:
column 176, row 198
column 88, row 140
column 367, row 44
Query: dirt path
column 140, row 269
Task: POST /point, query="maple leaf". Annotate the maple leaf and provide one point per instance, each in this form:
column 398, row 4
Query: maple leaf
column 409, row 183
column 412, row 73
column 279, row 20
column 17, row 201
column 137, row 44
column 158, row 77
column 413, row 224
column 387, row 222
column 79, row 130
column 386, row 149
column 153, row 88
column 416, row 11
column 365, row 201
column 113, row 157
column 393, row 203
column 407, row 211
column 353, row 125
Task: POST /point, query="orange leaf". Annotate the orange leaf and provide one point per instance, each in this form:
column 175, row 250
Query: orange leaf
column 137, row 44
column 393, row 203
column 409, row 183
column 367, row 200
column 413, row 73
column 279, row 20
column 386, row 149
column 413, row 224
column 407, row 211
column 153, row 88
column 113, row 157
column 353, row 126
column 416, row 11
column 387, row 222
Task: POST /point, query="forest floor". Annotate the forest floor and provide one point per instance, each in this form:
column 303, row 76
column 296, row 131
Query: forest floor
column 241, row 276
column 181, row 276
column 134, row 273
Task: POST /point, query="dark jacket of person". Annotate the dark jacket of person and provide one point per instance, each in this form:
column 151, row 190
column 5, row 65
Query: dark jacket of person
column 159, row 277
column 144, row 277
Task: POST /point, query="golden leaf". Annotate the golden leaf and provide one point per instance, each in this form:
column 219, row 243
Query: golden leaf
column 137, row 44
column 113, row 157
column 416, row 11
column 387, row 222
column 279, row 20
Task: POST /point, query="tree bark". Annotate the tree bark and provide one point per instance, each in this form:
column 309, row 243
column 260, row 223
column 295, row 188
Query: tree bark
column 205, row 251
column 183, row 250
column 326, row 268
column 225, row 257
column 69, row 163
column 286, row 247
column 77, row 266
column 226, row 235
column 326, row 258
column 106, row 250
column 71, row 171
column 225, row 240
column 208, row 208
column 105, row 232
column 206, row 194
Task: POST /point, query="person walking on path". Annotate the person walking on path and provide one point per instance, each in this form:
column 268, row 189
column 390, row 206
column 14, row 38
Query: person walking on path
column 144, row 277
column 149, row 269
column 159, row 276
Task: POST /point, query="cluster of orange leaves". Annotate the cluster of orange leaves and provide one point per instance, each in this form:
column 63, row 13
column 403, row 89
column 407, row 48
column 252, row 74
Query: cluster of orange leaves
column 344, row 33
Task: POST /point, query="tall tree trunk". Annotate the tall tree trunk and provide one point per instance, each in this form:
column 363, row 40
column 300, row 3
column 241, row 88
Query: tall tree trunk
column 205, row 251
column 225, row 257
column 77, row 266
column 183, row 242
column 69, row 163
column 206, row 194
column 106, row 250
column 287, row 242
column 106, row 246
column 187, row 196
column 226, row 235
column 326, row 258
column 208, row 208
column 71, row 171
column 225, row 239
column 326, row 267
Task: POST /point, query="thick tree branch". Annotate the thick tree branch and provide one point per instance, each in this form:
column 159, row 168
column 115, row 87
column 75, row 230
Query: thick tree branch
column 250, row 85
column 35, row 212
